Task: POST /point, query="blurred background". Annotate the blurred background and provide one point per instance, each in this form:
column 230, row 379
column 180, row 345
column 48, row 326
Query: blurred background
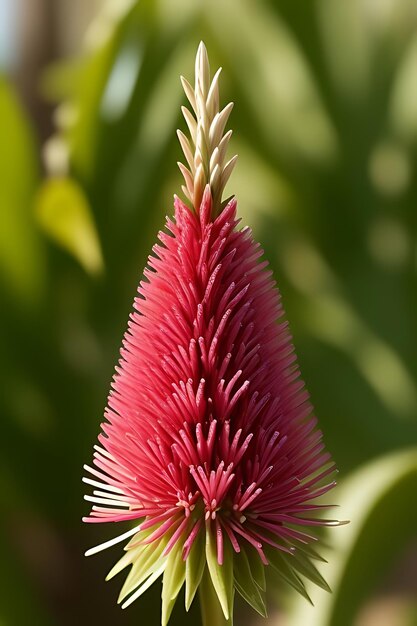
column 325, row 124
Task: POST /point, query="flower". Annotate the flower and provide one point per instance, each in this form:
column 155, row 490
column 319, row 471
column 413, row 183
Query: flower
column 209, row 444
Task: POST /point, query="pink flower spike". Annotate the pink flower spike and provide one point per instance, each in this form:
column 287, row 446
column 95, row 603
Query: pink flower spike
column 209, row 444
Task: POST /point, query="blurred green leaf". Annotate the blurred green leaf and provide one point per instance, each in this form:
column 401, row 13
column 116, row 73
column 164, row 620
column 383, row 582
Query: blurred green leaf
column 379, row 499
column 64, row 214
column 281, row 87
column 21, row 252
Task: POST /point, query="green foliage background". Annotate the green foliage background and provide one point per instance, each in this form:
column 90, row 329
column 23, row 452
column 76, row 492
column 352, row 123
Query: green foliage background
column 325, row 125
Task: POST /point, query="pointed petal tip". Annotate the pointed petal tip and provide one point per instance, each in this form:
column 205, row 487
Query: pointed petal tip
column 231, row 202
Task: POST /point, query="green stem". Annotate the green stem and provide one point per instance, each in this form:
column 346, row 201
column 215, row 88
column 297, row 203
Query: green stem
column 211, row 611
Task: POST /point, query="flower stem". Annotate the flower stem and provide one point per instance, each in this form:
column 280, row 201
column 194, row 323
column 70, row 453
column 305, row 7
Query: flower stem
column 211, row 611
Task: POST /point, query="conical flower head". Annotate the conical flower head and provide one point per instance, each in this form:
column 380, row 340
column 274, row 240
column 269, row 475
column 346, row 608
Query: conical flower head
column 209, row 443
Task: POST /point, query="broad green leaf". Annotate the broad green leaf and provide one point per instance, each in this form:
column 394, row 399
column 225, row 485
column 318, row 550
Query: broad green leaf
column 403, row 110
column 64, row 214
column 174, row 576
column 379, row 499
column 221, row 575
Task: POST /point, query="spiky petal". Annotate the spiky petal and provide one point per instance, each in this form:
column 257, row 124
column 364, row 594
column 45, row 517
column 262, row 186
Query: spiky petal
column 205, row 151
column 209, row 444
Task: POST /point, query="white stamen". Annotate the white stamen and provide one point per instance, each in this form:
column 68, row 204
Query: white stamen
column 105, row 501
column 110, row 496
column 112, row 542
column 103, row 452
column 95, row 483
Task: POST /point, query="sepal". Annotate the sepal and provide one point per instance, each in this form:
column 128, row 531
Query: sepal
column 221, row 575
column 246, row 585
column 174, row 576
